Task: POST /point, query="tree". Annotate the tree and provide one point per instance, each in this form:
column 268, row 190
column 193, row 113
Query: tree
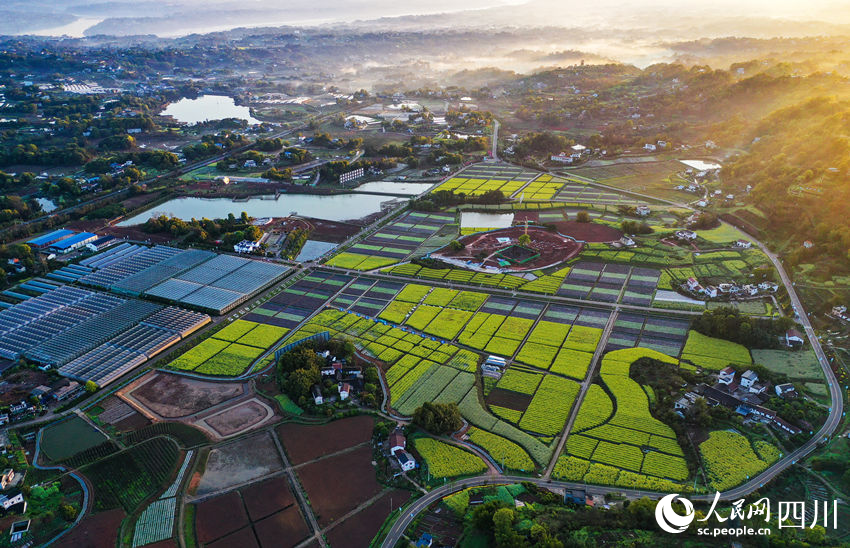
column 438, row 418
column 583, row 217
column 455, row 245
column 68, row 512
column 524, row 239
column 91, row 387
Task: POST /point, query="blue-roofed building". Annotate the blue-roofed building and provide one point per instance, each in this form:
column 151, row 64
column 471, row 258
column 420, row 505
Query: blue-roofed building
column 50, row 238
column 73, row 242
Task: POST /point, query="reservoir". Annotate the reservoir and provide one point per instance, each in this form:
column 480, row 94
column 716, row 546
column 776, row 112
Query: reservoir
column 469, row 219
column 339, row 207
column 390, row 187
column 207, row 107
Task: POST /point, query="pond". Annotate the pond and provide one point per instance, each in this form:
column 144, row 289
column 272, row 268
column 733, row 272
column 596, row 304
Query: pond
column 339, row 207
column 314, row 249
column 207, row 107
column 700, row 165
column 391, row 187
column 470, row 219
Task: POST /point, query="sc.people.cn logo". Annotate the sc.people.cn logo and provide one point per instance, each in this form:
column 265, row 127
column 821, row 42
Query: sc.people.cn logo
column 670, row 520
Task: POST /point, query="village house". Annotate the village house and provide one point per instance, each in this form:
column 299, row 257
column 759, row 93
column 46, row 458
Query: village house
column 686, row 235
column 748, row 379
column 744, row 244
column 344, row 391
column 396, row 442
column 710, row 291
column 793, row 338
column 317, row 395
column 643, row 210
column 405, row 460
column 562, row 157
column 786, row 391
column 7, row 478
column 692, row 283
column 726, row 376
column 768, row 286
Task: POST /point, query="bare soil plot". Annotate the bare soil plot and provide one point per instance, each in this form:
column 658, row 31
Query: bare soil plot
column 509, row 399
column 243, row 538
column 361, row 528
column 133, row 422
column 337, row 485
column 283, row 529
column 239, row 463
column 94, row 531
column 266, row 498
column 172, row 396
column 304, row 443
column 588, row 232
column 220, row 516
column 239, row 418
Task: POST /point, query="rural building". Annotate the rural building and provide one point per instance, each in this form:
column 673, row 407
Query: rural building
column 405, row 460
column 563, row 157
column 785, row 426
column 768, row 286
column 344, row 390
column 808, row 244
column 7, row 478
column 69, row 390
column 13, row 503
column 396, row 442
column 793, row 338
column 317, row 395
column 48, row 239
column 686, row 235
column 726, row 376
column 246, row 246
column 643, row 210
column 102, row 243
column 425, row 541
column 69, row 244
column 786, row 390
column 710, row 291
column 693, row 283
column 749, row 378
column 744, row 244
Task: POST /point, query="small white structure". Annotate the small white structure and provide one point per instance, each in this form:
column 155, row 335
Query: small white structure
column 726, row 376
column 794, row 338
column 643, row 210
column 692, row 283
column 246, row 246
column 405, row 460
column 396, row 441
column 686, row 235
column 563, row 157
column 744, row 244
column 749, row 378
column 344, row 391
column 317, row 395
column 649, row 147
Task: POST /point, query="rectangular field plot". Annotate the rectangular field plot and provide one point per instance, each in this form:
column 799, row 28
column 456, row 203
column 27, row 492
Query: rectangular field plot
column 666, row 335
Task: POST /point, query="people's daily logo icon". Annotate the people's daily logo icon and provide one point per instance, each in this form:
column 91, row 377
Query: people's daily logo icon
column 670, row 520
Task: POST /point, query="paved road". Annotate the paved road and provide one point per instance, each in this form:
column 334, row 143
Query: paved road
column 403, row 522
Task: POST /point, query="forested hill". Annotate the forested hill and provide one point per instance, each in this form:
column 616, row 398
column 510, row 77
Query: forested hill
column 798, row 164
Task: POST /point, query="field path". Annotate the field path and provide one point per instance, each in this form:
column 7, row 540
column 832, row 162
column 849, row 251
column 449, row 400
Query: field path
column 299, row 493
column 585, row 386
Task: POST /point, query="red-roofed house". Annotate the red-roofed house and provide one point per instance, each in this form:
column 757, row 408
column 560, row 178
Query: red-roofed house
column 396, row 442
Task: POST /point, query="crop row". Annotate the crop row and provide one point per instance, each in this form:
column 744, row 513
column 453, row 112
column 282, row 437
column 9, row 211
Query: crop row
column 505, row 452
column 446, row 461
column 550, row 406
column 729, row 459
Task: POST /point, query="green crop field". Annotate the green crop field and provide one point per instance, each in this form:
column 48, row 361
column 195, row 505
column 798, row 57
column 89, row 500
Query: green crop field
column 797, row 364
column 64, row 439
column 714, row 353
column 730, row 459
column 447, row 461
